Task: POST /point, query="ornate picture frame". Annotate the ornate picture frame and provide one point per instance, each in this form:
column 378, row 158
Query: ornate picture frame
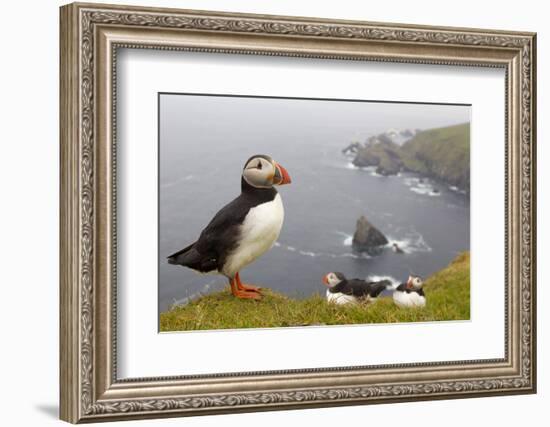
column 90, row 37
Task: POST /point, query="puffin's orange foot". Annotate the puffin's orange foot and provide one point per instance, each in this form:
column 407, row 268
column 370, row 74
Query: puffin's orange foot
column 242, row 287
column 248, row 288
column 248, row 295
column 242, row 293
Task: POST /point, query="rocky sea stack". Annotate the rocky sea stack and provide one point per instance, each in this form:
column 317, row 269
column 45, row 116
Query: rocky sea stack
column 367, row 238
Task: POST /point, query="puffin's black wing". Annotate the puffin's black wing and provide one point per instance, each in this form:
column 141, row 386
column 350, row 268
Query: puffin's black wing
column 361, row 288
column 376, row 288
column 357, row 287
column 219, row 237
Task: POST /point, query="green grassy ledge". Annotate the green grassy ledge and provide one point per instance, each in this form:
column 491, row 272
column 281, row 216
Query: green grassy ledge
column 447, row 291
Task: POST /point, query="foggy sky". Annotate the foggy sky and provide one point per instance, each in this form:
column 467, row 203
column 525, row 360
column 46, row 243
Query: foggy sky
column 354, row 120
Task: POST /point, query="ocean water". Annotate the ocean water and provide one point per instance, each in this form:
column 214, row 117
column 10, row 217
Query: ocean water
column 200, row 167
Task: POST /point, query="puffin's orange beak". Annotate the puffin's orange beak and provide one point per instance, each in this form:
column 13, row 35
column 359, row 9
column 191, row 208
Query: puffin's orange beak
column 325, row 280
column 281, row 175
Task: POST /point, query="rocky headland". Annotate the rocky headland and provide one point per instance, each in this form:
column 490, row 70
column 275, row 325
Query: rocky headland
column 442, row 154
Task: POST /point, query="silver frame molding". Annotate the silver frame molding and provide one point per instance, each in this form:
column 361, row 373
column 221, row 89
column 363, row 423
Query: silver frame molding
column 90, row 37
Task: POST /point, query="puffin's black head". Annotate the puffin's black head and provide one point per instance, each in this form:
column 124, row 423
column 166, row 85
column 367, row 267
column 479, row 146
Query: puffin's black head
column 333, row 278
column 262, row 171
column 415, row 282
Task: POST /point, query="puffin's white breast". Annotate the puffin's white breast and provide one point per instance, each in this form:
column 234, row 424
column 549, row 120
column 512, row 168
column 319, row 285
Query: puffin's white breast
column 411, row 299
column 340, row 298
column 259, row 232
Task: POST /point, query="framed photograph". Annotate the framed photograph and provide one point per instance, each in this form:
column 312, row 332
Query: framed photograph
column 267, row 212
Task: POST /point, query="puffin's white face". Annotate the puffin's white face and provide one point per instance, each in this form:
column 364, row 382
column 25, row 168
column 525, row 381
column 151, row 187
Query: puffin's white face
column 263, row 172
column 415, row 282
column 332, row 279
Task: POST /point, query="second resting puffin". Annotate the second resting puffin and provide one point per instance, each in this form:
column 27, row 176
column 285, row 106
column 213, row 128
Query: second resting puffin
column 410, row 293
column 243, row 230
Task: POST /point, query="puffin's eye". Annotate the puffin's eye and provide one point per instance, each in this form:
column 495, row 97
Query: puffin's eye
column 259, row 165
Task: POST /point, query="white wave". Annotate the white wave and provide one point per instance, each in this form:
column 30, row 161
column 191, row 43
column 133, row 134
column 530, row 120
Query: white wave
column 427, row 191
column 208, row 286
column 178, row 181
column 413, row 181
column 371, row 169
column 347, row 255
column 322, row 254
column 378, row 175
column 347, row 238
column 424, row 186
column 350, row 165
column 347, row 165
column 410, row 181
column 411, row 243
column 456, row 189
column 421, row 243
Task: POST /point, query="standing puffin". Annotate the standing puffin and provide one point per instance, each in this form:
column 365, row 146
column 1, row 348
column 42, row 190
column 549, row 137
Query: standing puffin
column 242, row 230
column 410, row 294
column 343, row 291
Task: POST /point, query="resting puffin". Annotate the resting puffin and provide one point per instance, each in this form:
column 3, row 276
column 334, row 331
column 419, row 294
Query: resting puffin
column 410, row 294
column 343, row 291
column 242, row 230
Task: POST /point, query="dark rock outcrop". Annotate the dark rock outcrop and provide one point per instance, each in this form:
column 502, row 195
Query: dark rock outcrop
column 380, row 152
column 390, row 163
column 368, row 238
column 365, row 157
